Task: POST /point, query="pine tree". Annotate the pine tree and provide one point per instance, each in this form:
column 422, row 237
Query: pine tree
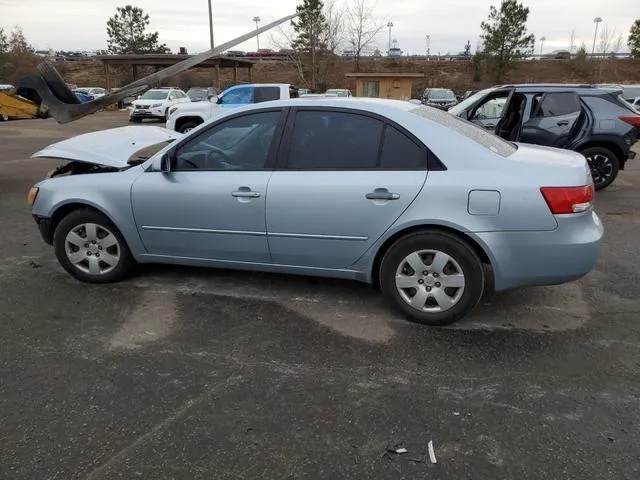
column 505, row 36
column 127, row 33
column 634, row 39
column 310, row 27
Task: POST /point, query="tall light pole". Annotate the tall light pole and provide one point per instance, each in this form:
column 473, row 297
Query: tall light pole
column 596, row 20
column 428, row 46
column 210, row 25
column 390, row 26
column 542, row 39
column 257, row 20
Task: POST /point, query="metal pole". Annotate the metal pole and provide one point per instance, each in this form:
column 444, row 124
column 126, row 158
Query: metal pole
column 596, row 20
column 390, row 25
column 210, row 24
column 428, row 45
column 257, row 20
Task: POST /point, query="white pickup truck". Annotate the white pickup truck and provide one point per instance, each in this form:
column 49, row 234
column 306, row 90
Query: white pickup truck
column 186, row 116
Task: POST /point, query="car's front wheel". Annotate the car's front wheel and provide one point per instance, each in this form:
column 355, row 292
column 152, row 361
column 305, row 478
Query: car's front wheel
column 90, row 247
column 187, row 127
column 433, row 278
column 604, row 165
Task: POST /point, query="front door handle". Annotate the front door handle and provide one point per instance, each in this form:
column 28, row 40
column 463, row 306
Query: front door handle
column 382, row 194
column 245, row 192
column 563, row 123
column 489, row 125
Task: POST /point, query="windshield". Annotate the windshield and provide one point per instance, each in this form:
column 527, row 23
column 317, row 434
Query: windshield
column 631, row 92
column 155, row 95
column 441, row 95
column 339, row 93
column 198, row 94
column 468, row 129
column 465, row 104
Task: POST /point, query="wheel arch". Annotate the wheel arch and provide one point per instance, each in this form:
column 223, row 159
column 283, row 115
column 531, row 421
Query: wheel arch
column 180, row 121
column 609, row 144
column 478, row 249
column 64, row 209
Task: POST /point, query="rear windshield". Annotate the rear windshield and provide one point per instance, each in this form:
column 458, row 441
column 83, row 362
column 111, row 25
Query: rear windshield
column 630, row 92
column 468, row 129
column 441, row 95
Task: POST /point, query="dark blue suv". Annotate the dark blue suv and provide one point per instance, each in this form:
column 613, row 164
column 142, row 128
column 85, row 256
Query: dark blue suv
column 595, row 122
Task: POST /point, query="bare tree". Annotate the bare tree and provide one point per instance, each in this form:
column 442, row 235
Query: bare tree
column 606, row 40
column 617, row 45
column 362, row 28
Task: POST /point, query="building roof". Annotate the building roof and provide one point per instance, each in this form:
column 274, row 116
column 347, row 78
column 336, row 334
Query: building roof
column 385, row 75
column 166, row 59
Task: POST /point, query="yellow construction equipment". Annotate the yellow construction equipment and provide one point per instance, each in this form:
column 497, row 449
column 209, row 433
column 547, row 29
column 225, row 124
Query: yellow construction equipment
column 13, row 106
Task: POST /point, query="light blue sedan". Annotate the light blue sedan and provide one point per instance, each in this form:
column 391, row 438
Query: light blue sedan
column 406, row 197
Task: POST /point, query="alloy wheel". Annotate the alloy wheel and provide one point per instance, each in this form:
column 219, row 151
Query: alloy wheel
column 601, row 167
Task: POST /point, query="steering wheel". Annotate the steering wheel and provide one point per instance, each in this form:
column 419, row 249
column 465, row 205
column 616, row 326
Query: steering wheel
column 214, row 154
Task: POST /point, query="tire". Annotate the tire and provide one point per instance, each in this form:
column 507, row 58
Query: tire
column 604, row 165
column 460, row 266
column 56, row 84
column 4, row 118
column 107, row 260
column 135, row 120
column 185, row 127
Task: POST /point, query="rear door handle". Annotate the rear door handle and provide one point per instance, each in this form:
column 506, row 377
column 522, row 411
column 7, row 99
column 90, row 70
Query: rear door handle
column 245, row 192
column 563, row 123
column 489, row 125
column 382, row 194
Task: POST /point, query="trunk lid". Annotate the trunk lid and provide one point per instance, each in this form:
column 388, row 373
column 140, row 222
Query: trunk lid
column 111, row 148
column 553, row 166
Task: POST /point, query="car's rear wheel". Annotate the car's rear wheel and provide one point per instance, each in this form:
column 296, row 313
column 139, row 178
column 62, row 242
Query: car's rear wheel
column 604, row 165
column 433, row 278
column 90, row 247
column 187, row 127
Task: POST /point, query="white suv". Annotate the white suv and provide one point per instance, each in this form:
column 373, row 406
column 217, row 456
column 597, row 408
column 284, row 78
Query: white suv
column 155, row 103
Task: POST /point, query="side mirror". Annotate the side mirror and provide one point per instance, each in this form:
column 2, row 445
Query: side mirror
column 162, row 164
column 219, row 100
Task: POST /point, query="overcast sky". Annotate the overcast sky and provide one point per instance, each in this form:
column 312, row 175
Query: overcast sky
column 81, row 24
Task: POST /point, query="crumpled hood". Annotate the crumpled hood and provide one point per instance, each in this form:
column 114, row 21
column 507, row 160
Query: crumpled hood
column 111, row 148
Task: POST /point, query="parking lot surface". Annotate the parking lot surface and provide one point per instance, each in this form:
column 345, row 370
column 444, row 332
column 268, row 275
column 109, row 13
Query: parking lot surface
column 182, row 373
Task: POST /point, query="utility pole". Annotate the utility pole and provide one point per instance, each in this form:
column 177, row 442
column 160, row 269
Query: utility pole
column 542, row 39
column 390, row 26
column 428, row 46
column 210, row 25
column 257, row 20
column 596, row 20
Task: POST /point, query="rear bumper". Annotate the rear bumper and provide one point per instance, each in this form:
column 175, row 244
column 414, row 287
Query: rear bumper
column 45, row 225
column 562, row 255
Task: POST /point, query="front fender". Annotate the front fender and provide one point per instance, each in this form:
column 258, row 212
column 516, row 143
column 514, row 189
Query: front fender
column 109, row 193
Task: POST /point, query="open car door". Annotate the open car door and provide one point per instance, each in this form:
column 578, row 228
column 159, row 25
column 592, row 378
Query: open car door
column 64, row 106
column 555, row 121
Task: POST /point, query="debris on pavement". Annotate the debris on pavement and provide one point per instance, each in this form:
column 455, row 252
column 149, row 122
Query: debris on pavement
column 432, row 453
column 34, row 264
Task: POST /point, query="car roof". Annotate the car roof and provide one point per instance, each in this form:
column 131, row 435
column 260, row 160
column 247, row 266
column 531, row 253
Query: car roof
column 375, row 105
column 536, row 87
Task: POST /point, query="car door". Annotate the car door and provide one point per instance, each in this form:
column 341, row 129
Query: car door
column 343, row 178
column 553, row 116
column 488, row 112
column 211, row 204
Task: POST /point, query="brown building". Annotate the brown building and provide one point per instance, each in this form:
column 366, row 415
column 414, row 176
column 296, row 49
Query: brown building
column 396, row 86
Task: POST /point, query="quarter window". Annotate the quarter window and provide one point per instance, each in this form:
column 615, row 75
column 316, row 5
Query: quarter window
column 266, row 94
column 241, row 143
column 325, row 140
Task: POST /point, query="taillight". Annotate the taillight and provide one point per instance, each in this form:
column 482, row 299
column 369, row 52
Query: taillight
column 631, row 120
column 563, row 200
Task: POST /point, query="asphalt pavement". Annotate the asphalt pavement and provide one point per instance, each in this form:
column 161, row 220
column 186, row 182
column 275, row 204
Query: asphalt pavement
column 182, row 373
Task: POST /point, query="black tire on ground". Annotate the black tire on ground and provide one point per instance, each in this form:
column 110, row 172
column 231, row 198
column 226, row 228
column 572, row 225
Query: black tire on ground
column 135, row 120
column 76, row 218
column 444, row 242
column 187, row 126
column 57, row 84
column 604, row 166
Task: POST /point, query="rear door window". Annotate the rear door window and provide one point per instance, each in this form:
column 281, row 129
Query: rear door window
column 555, row 104
column 399, row 152
column 329, row 140
column 266, row 94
